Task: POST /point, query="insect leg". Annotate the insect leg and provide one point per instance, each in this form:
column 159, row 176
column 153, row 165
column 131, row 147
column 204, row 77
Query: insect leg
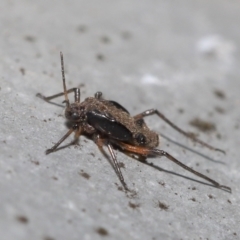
column 155, row 111
column 116, row 165
column 60, row 141
column 75, row 90
column 98, row 95
column 156, row 152
column 100, row 142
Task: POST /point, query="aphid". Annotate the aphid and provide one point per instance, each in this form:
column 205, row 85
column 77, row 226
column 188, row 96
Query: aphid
column 110, row 124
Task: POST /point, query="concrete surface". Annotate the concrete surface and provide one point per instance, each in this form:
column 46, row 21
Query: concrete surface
column 181, row 57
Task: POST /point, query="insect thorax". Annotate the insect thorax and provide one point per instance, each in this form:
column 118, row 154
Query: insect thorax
column 141, row 135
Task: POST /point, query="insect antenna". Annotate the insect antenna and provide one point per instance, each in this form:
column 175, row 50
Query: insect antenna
column 64, row 82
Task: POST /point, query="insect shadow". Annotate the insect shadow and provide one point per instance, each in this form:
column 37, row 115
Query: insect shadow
column 109, row 124
column 179, row 175
column 191, row 150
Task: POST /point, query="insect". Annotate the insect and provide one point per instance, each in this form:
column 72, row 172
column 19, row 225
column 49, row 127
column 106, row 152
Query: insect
column 110, row 124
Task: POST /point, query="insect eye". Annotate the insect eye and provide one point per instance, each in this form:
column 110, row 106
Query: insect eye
column 140, row 138
column 140, row 122
column 74, row 116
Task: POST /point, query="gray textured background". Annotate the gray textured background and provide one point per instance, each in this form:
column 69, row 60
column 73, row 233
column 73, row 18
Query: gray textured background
column 171, row 55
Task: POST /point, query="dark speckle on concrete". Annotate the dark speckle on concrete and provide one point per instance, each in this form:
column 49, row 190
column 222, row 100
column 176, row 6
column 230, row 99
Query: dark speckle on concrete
column 84, row 174
column 133, row 205
column 102, row 231
column 30, row 38
column 162, row 206
column 204, row 126
column 219, row 94
column 22, row 219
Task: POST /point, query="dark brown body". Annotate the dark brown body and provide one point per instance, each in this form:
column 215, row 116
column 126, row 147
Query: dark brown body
column 137, row 127
column 110, row 124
